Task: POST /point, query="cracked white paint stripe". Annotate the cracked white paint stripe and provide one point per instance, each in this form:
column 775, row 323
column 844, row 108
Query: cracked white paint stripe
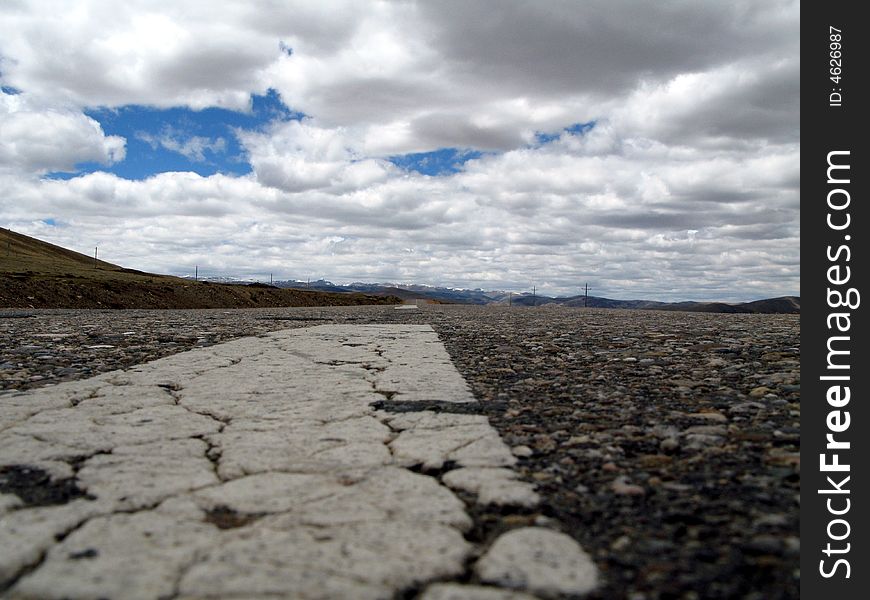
column 255, row 468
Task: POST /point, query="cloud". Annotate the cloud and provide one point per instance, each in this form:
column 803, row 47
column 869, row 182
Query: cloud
column 632, row 221
column 467, row 77
column 192, row 147
column 730, row 106
column 36, row 140
column 298, row 156
column 153, row 53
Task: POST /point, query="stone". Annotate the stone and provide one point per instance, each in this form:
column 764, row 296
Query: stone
column 522, row 451
column 759, row 392
column 620, row 543
column 8, row 502
column 706, row 430
column 715, row 417
column 697, row 441
column 540, row 561
column 669, row 445
column 622, row 487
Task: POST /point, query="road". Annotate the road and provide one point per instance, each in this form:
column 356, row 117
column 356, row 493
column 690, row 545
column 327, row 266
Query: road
column 665, row 444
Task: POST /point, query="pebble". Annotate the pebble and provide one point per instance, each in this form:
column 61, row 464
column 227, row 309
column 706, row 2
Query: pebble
column 578, row 439
column 622, row 487
column 676, row 487
column 709, row 416
column 669, row 445
column 522, row 451
column 717, row 430
column 792, row 545
column 745, row 407
column 620, row 543
column 774, row 520
column 702, row 440
column 764, row 544
column 759, row 392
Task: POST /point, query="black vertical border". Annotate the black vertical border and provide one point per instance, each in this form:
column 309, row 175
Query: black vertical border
column 826, row 128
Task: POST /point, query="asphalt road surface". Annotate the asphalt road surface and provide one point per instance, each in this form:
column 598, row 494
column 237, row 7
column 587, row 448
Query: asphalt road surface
column 665, row 444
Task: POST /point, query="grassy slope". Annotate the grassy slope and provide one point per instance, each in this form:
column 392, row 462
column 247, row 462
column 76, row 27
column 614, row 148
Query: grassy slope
column 36, row 274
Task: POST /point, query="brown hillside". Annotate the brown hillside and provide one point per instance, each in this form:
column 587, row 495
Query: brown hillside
column 36, row 274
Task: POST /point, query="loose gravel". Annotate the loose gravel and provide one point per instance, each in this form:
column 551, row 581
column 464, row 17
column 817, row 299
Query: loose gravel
column 666, row 443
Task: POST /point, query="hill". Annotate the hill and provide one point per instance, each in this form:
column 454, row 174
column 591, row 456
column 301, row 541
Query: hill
column 36, row 274
column 783, row 305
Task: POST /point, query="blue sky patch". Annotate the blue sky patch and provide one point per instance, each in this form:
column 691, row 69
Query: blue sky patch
column 444, row 161
column 181, row 139
column 542, row 138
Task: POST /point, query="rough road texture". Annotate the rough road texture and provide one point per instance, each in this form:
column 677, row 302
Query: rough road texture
column 257, row 468
column 666, row 444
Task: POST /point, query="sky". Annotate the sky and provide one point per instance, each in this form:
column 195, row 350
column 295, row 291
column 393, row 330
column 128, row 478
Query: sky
column 649, row 149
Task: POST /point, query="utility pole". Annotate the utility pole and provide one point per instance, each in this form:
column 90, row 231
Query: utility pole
column 270, row 279
column 586, row 298
column 95, row 256
column 534, row 296
column 510, row 298
column 196, row 273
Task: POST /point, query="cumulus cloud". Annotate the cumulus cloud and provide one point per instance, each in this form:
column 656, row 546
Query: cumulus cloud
column 40, row 139
column 112, row 54
column 298, row 156
column 687, row 185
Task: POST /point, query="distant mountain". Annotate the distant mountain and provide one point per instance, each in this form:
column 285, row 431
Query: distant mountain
column 783, row 305
column 786, row 304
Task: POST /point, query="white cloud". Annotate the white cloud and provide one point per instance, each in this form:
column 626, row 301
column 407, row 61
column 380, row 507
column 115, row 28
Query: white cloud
column 297, row 156
column 192, row 147
column 39, row 140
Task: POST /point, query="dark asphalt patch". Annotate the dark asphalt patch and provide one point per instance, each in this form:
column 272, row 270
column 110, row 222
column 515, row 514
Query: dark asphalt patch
column 35, row 487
